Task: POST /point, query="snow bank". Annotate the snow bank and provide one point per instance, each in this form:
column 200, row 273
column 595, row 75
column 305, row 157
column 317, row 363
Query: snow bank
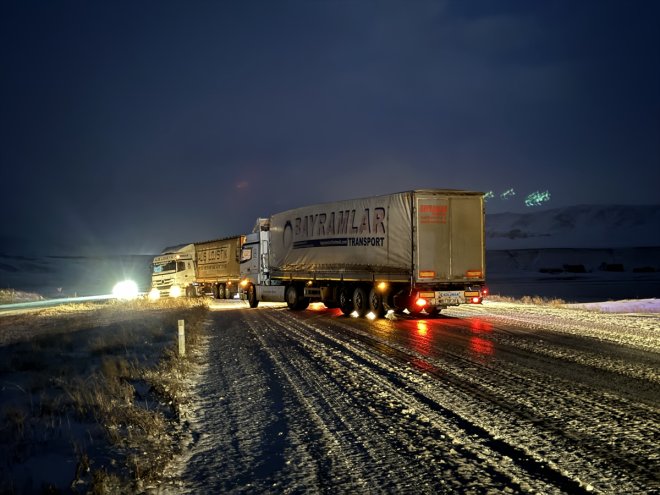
column 626, row 306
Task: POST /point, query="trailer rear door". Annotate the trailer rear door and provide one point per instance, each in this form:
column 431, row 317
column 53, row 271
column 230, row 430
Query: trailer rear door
column 449, row 240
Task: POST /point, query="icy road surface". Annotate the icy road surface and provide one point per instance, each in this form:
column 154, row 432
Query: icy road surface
column 497, row 398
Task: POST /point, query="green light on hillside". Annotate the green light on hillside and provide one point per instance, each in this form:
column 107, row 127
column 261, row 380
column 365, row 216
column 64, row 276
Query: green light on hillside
column 509, row 193
column 537, row 198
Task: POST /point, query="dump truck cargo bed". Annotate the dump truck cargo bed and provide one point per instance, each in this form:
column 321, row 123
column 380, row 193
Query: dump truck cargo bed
column 218, row 259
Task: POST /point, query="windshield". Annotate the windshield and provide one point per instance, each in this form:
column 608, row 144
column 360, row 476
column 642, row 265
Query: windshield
column 170, row 266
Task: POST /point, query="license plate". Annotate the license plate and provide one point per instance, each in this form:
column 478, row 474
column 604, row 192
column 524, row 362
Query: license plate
column 472, row 293
column 452, row 296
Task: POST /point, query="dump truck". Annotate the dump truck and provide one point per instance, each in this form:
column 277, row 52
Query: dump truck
column 415, row 251
column 198, row 269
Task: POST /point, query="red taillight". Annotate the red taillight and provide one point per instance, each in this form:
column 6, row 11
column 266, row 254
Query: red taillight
column 484, row 291
column 421, row 302
column 476, row 300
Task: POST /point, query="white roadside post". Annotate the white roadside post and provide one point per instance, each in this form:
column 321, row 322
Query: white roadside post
column 182, row 339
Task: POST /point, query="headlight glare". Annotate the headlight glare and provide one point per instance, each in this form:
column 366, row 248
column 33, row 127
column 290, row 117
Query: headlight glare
column 126, row 290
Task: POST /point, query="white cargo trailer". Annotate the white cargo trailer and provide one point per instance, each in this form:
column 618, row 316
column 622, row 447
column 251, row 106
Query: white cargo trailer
column 420, row 251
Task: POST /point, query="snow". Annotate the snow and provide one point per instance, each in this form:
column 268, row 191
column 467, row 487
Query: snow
column 625, row 306
column 313, row 401
column 497, row 397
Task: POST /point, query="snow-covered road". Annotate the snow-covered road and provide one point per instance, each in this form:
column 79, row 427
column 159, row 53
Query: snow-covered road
column 485, row 399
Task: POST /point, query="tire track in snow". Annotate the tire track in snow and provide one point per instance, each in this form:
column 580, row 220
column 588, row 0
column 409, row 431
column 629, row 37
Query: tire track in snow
column 507, row 464
column 319, row 405
column 343, row 407
column 238, row 422
column 552, row 437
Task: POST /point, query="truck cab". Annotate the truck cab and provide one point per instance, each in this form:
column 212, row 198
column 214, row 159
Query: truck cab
column 254, row 265
column 173, row 272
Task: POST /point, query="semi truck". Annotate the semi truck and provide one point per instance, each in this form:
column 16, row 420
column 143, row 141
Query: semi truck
column 418, row 251
column 198, row 269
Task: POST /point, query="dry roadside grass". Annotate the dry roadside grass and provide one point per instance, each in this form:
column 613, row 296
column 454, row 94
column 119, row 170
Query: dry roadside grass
column 94, row 390
column 66, row 318
column 531, row 300
column 11, row 296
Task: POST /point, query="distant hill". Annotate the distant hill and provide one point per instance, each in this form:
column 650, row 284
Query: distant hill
column 584, row 226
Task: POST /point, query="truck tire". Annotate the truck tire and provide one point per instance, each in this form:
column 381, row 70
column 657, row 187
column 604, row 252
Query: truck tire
column 252, row 296
column 190, row 291
column 414, row 311
column 360, row 301
column 345, row 301
column 376, row 303
column 221, row 291
column 433, row 312
column 294, row 300
column 291, row 297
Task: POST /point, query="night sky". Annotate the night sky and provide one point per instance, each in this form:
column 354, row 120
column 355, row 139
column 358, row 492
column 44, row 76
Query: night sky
column 129, row 126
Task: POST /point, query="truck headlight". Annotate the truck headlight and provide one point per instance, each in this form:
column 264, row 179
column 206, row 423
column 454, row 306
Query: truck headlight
column 126, row 290
column 175, row 291
column 154, row 294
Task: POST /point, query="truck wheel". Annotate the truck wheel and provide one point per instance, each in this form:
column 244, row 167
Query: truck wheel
column 414, row 311
column 294, row 300
column 376, row 304
column 345, row 302
column 252, row 296
column 190, row 291
column 360, row 301
column 291, row 297
column 221, row 292
column 433, row 312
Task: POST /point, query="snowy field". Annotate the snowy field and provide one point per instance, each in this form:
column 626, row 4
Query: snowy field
column 502, row 397
column 498, row 398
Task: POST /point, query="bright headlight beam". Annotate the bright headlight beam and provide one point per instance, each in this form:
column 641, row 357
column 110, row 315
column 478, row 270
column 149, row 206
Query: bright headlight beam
column 125, row 290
